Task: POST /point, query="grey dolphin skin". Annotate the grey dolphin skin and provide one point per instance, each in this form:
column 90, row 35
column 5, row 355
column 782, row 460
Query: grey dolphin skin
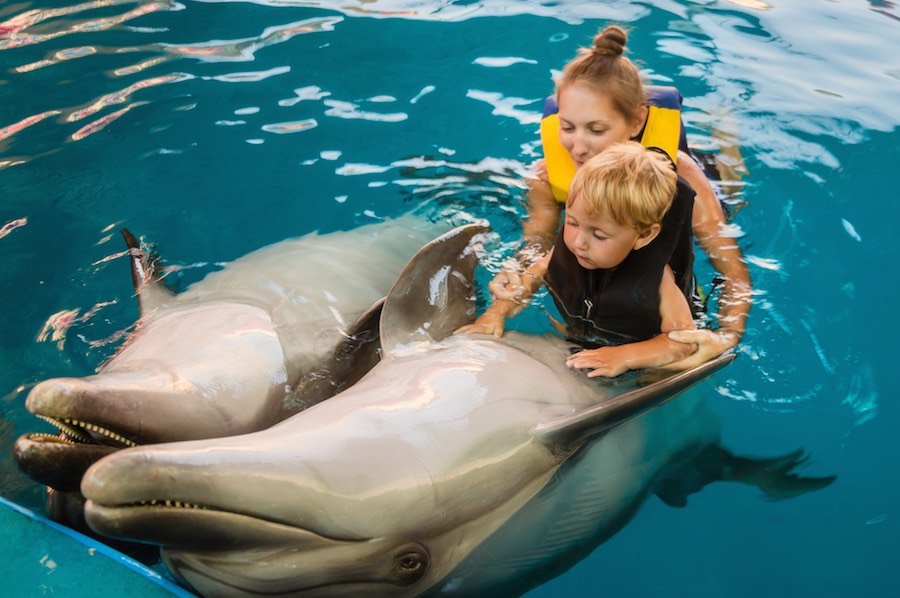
column 461, row 464
column 229, row 355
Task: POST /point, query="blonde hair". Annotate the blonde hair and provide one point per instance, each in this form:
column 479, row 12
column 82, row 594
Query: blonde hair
column 627, row 183
column 603, row 67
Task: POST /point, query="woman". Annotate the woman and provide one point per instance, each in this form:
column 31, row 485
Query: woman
column 601, row 101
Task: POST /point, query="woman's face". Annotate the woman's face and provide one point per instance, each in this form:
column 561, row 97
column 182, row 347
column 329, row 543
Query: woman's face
column 588, row 122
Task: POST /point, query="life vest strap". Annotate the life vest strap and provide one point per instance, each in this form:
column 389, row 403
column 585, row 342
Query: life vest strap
column 663, row 129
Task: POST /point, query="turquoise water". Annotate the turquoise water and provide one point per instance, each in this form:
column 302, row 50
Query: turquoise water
column 213, row 128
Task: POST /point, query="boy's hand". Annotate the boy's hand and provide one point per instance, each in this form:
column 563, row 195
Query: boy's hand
column 488, row 323
column 605, row 361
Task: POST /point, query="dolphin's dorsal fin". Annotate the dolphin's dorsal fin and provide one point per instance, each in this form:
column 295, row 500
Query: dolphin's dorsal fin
column 434, row 294
column 351, row 359
column 571, row 430
column 148, row 285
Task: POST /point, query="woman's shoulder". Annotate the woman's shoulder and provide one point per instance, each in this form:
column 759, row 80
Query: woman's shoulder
column 539, row 170
column 538, row 177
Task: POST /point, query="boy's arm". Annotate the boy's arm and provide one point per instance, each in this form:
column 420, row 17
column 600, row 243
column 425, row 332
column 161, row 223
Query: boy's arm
column 656, row 352
column 493, row 319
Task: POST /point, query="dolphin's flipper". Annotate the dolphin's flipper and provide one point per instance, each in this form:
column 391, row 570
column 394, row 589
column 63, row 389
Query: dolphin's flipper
column 148, row 285
column 572, row 430
column 356, row 355
column 774, row 476
column 434, row 294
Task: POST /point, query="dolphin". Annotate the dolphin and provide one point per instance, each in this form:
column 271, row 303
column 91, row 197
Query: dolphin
column 458, row 464
column 273, row 332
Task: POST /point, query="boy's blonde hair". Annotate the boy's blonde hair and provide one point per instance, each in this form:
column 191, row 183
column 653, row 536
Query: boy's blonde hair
column 627, row 183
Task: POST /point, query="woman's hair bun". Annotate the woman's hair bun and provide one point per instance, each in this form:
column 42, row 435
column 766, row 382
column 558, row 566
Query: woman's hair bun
column 610, row 42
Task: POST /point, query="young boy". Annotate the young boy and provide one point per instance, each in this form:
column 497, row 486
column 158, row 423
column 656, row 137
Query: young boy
column 608, row 273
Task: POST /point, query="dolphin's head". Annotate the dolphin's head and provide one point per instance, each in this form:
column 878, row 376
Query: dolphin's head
column 381, row 489
column 168, row 382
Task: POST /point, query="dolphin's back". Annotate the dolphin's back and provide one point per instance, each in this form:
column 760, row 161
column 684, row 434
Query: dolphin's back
column 588, row 499
column 286, row 270
column 288, row 280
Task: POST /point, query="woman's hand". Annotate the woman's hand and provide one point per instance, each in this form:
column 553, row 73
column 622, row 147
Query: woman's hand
column 709, row 343
column 605, row 361
column 488, row 323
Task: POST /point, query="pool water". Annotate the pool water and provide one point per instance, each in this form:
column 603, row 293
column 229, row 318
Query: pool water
column 212, row 128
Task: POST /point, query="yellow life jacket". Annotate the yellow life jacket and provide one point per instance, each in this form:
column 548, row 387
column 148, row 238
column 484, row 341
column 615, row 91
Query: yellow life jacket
column 663, row 129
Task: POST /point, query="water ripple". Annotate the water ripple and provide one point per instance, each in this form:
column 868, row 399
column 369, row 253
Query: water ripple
column 244, row 50
column 13, row 35
column 123, row 95
column 14, row 128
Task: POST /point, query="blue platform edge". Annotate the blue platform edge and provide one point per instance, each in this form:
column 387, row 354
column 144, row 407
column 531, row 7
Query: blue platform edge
column 103, row 549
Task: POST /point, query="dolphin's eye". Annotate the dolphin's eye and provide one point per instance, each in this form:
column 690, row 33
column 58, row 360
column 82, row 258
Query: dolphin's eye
column 410, row 563
column 411, row 566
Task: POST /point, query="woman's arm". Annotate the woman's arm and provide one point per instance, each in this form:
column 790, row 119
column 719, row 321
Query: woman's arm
column 726, row 257
column 493, row 320
column 543, row 210
column 656, row 352
column 538, row 233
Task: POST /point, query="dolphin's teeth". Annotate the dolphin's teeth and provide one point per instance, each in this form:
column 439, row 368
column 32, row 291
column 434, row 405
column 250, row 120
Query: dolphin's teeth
column 66, row 429
column 60, row 438
column 72, row 432
column 176, row 504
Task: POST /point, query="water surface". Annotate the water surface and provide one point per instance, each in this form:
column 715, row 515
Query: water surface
column 212, row 128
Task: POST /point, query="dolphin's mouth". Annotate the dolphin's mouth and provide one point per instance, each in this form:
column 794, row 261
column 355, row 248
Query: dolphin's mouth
column 224, row 552
column 76, row 431
column 59, row 461
column 184, row 525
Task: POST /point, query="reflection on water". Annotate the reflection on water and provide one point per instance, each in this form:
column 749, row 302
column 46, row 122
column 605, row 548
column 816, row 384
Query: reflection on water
column 215, row 127
column 15, row 30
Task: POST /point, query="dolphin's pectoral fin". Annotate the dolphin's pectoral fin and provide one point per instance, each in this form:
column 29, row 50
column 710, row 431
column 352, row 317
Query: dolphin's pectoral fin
column 434, row 295
column 571, row 430
column 148, row 285
column 691, row 476
column 774, row 476
column 351, row 360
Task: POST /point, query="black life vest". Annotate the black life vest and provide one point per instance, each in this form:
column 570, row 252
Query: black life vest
column 621, row 305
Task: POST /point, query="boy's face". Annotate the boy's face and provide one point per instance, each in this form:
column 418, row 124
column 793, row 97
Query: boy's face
column 588, row 122
column 598, row 242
